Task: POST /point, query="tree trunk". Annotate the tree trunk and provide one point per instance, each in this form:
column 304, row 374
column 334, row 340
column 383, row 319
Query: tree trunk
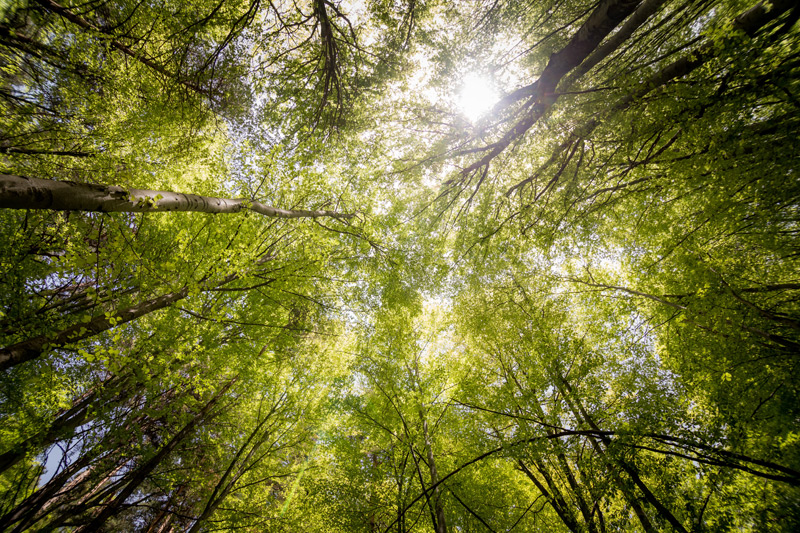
column 90, row 479
column 639, row 17
column 555, row 499
column 63, row 424
column 566, row 470
column 137, row 56
column 607, row 15
column 441, row 524
column 65, row 492
column 163, row 519
column 229, row 478
column 29, row 510
column 17, row 192
column 581, row 413
column 141, row 473
column 749, row 21
column 33, row 348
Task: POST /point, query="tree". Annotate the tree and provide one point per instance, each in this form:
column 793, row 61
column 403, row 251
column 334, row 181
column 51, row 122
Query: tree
column 577, row 311
column 33, row 193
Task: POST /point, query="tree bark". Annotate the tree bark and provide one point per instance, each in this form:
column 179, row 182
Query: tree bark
column 607, row 15
column 17, row 192
column 439, row 523
column 141, row 473
column 750, row 21
column 566, row 470
column 164, row 518
column 639, row 17
column 580, row 413
column 88, row 480
column 137, row 56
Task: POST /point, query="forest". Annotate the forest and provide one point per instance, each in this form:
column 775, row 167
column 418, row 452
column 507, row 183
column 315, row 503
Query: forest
column 399, row 266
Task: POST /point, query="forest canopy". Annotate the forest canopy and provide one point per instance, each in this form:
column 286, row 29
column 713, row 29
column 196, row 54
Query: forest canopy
column 420, row 265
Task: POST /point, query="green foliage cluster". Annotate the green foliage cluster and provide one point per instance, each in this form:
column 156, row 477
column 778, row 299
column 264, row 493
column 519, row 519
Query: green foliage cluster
column 577, row 313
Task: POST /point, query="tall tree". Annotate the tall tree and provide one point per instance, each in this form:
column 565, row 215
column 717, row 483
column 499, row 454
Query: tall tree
column 569, row 303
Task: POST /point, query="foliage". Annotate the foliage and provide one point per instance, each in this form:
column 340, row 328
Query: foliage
column 577, row 312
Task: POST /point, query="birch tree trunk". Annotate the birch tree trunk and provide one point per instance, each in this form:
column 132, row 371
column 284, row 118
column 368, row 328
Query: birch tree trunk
column 18, row 192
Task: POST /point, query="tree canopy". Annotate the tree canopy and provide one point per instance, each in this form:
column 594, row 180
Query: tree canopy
column 420, row 265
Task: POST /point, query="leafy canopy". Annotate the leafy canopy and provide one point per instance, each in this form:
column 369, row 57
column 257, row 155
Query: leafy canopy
column 573, row 307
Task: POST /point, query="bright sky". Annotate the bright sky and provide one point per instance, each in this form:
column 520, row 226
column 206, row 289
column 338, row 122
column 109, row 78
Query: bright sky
column 476, row 96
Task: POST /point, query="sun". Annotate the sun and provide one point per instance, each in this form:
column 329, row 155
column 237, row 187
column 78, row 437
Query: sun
column 476, row 96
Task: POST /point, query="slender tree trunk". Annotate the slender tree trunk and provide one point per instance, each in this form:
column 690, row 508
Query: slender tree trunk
column 229, row 478
column 400, row 494
column 93, row 472
column 428, row 501
column 17, row 192
column 566, row 470
column 576, row 488
column 50, row 494
column 136, row 55
column 143, row 471
column 581, row 413
column 99, row 491
column 162, row 520
column 441, row 523
column 553, row 496
column 66, row 489
column 631, row 498
column 63, row 424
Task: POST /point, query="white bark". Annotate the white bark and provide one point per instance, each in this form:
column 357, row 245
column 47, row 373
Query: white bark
column 17, row 192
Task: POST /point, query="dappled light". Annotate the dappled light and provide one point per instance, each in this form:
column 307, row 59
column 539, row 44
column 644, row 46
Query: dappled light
column 399, row 267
